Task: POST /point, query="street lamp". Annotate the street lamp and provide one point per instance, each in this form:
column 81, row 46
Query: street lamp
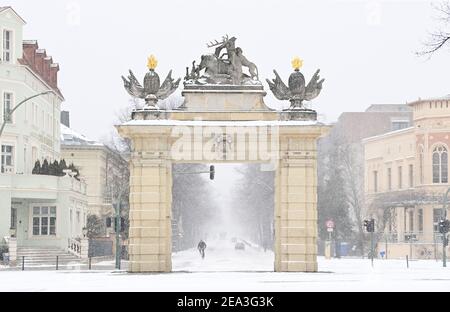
column 9, row 113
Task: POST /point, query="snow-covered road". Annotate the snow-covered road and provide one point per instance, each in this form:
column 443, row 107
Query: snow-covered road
column 221, row 255
column 247, row 270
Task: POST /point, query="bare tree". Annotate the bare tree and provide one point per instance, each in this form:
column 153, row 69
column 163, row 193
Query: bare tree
column 439, row 38
column 353, row 170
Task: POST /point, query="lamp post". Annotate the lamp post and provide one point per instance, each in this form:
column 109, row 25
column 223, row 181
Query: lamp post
column 118, row 247
column 9, row 113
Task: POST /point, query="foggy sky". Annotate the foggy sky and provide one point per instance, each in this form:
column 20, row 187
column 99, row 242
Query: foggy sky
column 365, row 49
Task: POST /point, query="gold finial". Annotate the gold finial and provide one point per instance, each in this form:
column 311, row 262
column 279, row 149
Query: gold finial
column 152, row 62
column 297, row 63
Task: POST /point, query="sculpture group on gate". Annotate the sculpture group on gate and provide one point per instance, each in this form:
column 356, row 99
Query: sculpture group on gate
column 224, row 68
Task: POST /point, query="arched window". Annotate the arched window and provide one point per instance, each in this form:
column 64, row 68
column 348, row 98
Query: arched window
column 440, row 164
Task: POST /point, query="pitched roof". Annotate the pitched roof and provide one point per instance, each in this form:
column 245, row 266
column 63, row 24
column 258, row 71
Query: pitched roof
column 5, row 8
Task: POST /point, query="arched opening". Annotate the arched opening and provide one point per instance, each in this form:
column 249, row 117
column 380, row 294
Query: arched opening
column 233, row 214
column 440, row 164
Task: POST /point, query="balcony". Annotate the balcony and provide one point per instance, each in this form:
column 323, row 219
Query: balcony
column 39, row 186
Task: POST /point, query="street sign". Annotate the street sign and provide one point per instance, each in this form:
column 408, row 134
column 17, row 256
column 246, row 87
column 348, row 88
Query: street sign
column 330, row 224
column 330, row 229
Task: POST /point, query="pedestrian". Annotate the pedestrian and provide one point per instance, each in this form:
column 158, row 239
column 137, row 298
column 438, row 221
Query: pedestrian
column 201, row 248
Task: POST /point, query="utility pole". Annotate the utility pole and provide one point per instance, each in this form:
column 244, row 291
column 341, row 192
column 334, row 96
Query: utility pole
column 443, row 228
column 118, row 247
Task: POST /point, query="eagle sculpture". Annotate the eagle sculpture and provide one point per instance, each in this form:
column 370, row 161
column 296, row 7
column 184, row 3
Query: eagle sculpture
column 297, row 92
column 135, row 89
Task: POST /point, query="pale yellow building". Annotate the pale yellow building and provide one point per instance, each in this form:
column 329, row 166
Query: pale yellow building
column 100, row 167
column 406, row 177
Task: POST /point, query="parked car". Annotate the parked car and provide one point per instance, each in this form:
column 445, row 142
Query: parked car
column 239, row 246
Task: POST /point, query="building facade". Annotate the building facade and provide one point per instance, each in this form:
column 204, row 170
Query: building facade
column 103, row 170
column 406, row 177
column 38, row 210
column 344, row 143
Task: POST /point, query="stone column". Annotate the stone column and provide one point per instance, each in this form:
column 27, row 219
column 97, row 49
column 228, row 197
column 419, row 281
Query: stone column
column 84, row 248
column 150, row 243
column 5, row 220
column 296, row 205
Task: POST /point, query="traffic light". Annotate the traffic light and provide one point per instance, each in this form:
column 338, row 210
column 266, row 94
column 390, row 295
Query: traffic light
column 369, row 225
column 212, row 172
column 444, row 226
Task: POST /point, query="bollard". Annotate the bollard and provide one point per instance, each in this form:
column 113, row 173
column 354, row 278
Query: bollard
column 90, row 262
column 23, row 263
column 407, row 262
column 57, row 262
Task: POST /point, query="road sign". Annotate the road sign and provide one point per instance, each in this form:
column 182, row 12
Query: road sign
column 330, row 229
column 330, row 224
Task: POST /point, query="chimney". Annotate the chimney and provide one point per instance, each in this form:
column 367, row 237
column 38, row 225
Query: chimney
column 29, row 52
column 41, row 54
column 48, row 61
column 65, row 118
column 54, row 68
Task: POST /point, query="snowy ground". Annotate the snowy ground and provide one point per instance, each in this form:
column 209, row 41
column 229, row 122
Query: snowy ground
column 226, row 269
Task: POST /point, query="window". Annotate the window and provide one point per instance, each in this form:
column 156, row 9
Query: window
column 389, row 176
column 400, row 176
column 411, row 220
column 391, row 216
column 44, row 221
column 437, row 212
column 411, row 176
column 13, row 218
column 375, row 181
column 399, row 124
column 25, row 163
column 421, row 159
column 7, row 106
column 7, row 46
column 420, row 220
column 440, row 164
column 7, row 159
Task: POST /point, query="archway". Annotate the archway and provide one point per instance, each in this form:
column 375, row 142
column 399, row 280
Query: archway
column 223, row 125
column 233, row 213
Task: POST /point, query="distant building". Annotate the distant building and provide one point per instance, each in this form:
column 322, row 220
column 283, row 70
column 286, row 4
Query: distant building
column 406, row 177
column 103, row 169
column 345, row 138
column 40, row 210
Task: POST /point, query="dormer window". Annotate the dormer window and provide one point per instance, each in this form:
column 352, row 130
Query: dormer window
column 7, row 46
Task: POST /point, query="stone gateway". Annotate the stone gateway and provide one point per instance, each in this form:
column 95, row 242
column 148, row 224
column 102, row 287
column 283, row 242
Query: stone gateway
column 284, row 141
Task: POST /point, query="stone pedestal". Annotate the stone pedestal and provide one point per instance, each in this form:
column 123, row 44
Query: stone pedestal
column 224, row 98
column 150, row 243
column 296, row 201
column 84, row 248
column 12, row 246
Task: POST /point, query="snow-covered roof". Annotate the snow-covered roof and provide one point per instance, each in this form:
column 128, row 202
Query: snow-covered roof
column 388, row 134
column 29, row 41
column 71, row 137
column 255, row 123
